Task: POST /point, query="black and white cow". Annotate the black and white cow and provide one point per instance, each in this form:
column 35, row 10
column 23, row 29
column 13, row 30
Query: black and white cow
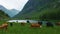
column 49, row 24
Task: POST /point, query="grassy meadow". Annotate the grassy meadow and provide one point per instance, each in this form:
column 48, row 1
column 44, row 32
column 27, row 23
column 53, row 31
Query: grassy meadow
column 17, row 28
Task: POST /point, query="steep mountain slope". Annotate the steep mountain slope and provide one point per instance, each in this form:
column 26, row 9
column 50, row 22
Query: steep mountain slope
column 3, row 15
column 36, row 9
column 11, row 12
column 4, row 9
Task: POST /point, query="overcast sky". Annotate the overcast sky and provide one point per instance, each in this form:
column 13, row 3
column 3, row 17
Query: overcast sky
column 13, row 4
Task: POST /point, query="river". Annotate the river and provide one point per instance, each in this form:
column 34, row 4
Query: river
column 25, row 21
column 19, row 21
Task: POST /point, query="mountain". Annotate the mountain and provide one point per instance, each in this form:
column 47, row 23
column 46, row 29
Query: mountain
column 4, row 9
column 40, row 9
column 3, row 15
column 11, row 12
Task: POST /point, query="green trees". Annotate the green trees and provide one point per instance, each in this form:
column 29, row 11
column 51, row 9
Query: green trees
column 3, row 15
column 50, row 14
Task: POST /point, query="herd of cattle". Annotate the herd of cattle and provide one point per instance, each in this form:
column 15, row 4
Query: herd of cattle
column 39, row 24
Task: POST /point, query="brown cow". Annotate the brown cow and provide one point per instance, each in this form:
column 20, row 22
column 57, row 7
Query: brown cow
column 1, row 27
column 36, row 25
column 22, row 23
column 58, row 23
column 4, row 26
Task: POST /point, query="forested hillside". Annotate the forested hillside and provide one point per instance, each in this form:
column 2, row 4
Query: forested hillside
column 3, row 15
column 40, row 9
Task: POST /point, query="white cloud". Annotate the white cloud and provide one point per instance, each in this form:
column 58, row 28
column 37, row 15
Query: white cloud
column 16, row 4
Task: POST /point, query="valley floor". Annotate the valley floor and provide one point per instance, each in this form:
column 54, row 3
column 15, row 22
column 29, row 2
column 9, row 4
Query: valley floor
column 18, row 29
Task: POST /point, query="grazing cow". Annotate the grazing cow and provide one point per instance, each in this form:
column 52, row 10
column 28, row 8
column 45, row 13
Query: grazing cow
column 49, row 24
column 4, row 26
column 1, row 27
column 22, row 23
column 57, row 23
column 11, row 24
column 39, row 22
column 35, row 25
column 28, row 21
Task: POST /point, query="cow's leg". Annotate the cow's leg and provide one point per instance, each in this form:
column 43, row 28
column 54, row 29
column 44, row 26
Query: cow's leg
column 5, row 28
